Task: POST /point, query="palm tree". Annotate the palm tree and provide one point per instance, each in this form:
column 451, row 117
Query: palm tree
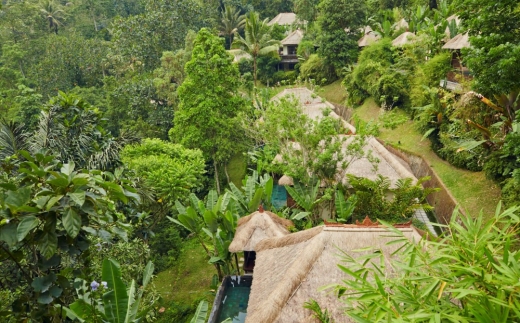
column 53, row 13
column 258, row 39
column 232, row 21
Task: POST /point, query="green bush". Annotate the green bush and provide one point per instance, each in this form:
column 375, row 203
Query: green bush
column 436, row 68
column 306, row 49
column 374, row 201
column 392, row 89
column 380, row 51
column 373, row 76
column 315, row 68
column 287, row 76
column 449, row 150
column 503, row 162
column 165, row 245
column 511, row 192
column 245, row 66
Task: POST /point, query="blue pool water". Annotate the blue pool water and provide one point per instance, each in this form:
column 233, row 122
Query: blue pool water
column 279, row 196
column 235, row 299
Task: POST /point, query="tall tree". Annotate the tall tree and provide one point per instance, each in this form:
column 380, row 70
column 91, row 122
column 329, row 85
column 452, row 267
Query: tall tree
column 340, row 22
column 494, row 56
column 53, row 13
column 210, row 102
column 231, row 22
column 257, row 39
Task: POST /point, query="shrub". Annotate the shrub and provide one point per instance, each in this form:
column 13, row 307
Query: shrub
column 511, row 192
column 315, row 68
column 306, row 49
column 165, row 245
column 245, row 66
column 288, row 76
column 380, row 51
column 392, row 89
column 436, row 68
column 449, row 150
column 373, row 198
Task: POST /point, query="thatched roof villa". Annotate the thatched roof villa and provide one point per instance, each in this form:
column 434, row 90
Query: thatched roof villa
column 312, row 105
column 388, row 165
column 458, row 42
column 254, row 228
column 291, row 270
column 283, row 19
column 404, row 39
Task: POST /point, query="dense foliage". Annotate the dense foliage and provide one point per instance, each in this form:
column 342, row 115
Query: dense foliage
column 116, row 116
column 471, row 275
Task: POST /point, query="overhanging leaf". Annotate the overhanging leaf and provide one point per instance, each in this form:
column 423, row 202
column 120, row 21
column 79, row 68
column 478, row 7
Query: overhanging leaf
column 25, row 226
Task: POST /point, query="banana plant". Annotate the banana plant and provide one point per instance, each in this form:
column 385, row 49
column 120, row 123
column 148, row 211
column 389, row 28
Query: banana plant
column 344, row 207
column 217, row 219
column 256, row 190
column 307, row 198
column 112, row 301
column 200, row 313
column 506, row 109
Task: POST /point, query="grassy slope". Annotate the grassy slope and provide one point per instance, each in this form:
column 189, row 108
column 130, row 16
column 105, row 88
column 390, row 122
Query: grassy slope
column 471, row 189
column 190, row 279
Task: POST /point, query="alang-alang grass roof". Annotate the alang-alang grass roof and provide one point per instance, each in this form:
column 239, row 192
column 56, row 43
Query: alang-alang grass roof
column 312, row 105
column 256, row 227
column 291, row 270
column 385, row 164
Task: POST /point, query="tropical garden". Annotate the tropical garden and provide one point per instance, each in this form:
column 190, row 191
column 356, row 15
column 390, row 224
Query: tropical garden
column 131, row 143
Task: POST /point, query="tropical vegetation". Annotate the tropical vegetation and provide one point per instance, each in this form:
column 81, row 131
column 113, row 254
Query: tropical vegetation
column 124, row 124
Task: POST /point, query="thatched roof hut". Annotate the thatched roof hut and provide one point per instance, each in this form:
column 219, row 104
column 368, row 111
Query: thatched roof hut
column 388, row 165
column 312, row 105
column 401, row 24
column 283, row 19
column 368, row 39
column 293, row 38
column 290, row 270
column 458, row 42
column 403, row 39
column 286, row 181
column 256, row 227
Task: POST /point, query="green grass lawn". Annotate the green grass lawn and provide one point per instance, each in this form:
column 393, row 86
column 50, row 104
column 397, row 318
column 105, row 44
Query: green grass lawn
column 333, row 92
column 190, row 279
column 472, row 190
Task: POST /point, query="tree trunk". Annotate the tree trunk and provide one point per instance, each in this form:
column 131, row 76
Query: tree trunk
column 254, row 68
column 217, row 183
column 219, row 272
column 227, row 175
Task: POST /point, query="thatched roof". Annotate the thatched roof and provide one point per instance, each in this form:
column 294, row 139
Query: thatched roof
column 293, row 38
column 289, row 271
column 369, row 38
column 256, row 227
column 312, row 105
column 403, row 39
column 454, row 17
column 388, row 165
column 458, row 42
column 284, row 18
column 286, row 180
column 401, row 24
column 239, row 54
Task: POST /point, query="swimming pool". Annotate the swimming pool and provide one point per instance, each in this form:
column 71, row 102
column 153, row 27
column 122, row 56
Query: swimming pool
column 279, row 196
column 231, row 301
